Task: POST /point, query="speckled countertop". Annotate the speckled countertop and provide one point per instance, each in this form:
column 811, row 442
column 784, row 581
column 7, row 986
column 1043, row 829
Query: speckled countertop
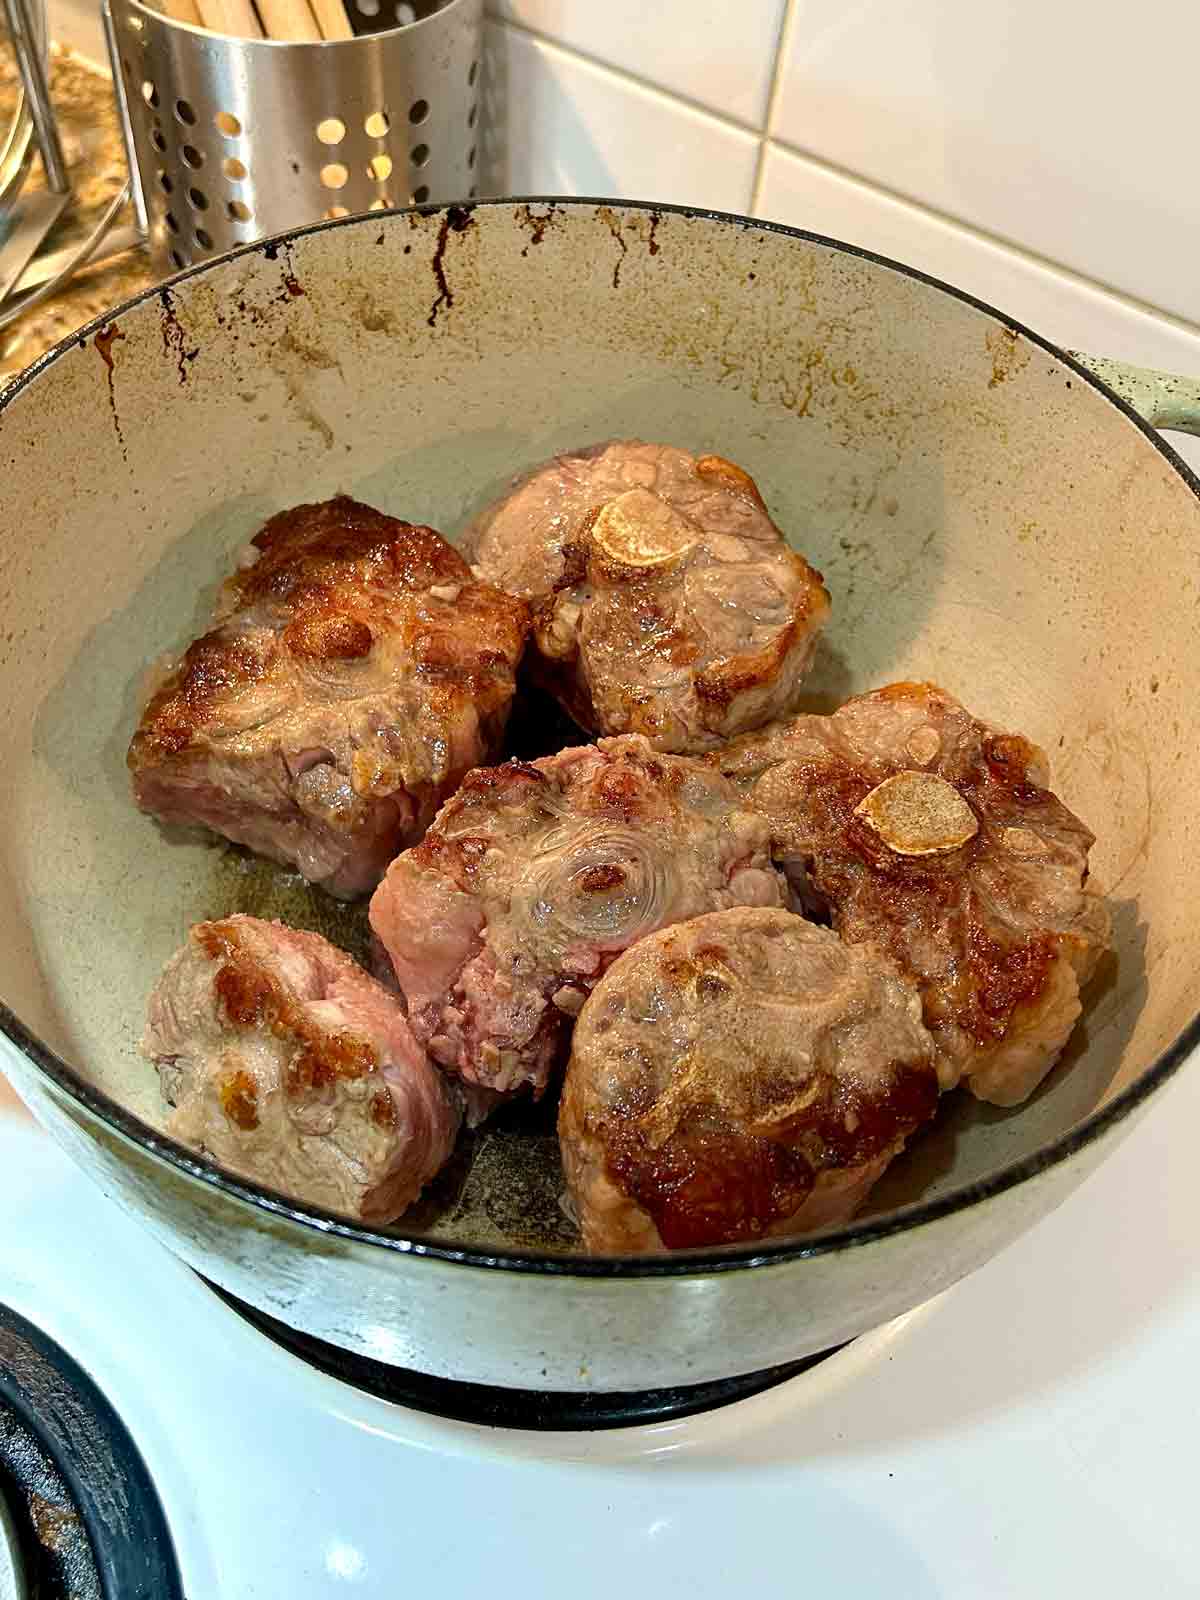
column 91, row 136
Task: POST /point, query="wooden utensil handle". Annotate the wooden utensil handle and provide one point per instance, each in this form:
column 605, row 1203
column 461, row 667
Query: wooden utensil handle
column 180, row 11
column 234, row 17
column 332, row 19
column 288, row 19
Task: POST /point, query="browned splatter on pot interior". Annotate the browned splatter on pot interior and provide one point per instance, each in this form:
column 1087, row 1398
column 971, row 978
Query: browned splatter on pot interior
column 104, row 340
column 652, row 241
column 173, row 337
column 456, row 219
column 609, row 218
column 537, row 225
column 1007, row 353
column 309, row 355
column 376, row 318
column 293, row 289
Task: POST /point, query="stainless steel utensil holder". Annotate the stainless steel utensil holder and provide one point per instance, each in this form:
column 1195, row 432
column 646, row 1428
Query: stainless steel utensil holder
column 232, row 139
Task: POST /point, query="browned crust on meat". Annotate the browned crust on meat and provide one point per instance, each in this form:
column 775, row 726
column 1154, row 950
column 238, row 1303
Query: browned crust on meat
column 483, row 789
column 711, row 1183
column 910, row 689
column 383, row 1109
column 721, row 683
column 709, row 1186
column 513, row 778
column 994, row 979
column 331, row 636
column 456, row 859
column 913, row 898
column 215, row 666
column 341, row 541
column 576, row 553
column 728, row 475
column 239, row 1100
column 252, row 997
column 336, row 576
column 620, row 793
column 618, row 788
column 629, row 784
column 717, row 1180
column 599, row 879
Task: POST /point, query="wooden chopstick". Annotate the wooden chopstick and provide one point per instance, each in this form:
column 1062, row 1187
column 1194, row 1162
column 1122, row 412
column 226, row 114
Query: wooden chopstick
column 288, row 19
column 332, row 19
column 297, row 21
column 234, row 17
column 180, row 11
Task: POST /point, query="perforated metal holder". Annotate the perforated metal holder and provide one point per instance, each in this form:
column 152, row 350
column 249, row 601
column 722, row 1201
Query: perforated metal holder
column 233, row 139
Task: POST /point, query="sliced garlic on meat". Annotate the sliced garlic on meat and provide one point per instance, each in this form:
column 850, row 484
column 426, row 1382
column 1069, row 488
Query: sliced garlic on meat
column 918, row 814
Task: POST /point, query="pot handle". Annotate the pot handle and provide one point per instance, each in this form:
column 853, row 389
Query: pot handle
column 1159, row 398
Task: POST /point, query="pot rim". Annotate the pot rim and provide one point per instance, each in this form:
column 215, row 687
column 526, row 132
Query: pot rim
column 682, row 1263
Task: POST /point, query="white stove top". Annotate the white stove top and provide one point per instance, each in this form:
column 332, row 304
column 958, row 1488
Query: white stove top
column 1029, row 1433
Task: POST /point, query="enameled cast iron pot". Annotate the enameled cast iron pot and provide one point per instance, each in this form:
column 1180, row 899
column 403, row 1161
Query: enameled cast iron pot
column 986, row 513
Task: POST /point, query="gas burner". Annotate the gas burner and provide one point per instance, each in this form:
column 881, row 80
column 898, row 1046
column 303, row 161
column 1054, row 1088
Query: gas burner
column 537, row 1410
column 79, row 1515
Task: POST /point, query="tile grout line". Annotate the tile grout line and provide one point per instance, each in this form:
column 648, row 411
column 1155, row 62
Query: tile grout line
column 782, row 46
column 977, row 235
column 873, row 189
column 625, row 76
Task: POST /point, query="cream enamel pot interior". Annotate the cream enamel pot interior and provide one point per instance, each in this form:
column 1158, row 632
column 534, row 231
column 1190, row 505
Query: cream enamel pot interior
column 986, row 514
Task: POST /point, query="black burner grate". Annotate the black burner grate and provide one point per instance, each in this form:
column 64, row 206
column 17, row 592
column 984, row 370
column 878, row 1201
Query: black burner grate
column 86, row 1520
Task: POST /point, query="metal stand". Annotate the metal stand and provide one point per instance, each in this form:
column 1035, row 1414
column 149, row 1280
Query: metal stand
column 26, row 217
column 31, row 216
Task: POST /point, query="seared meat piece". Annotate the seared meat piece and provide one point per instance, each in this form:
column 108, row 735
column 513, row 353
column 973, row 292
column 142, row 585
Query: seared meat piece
column 666, row 601
column 533, row 880
column 356, row 671
column 933, row 838
column 287, row 1064
column 741, row 1075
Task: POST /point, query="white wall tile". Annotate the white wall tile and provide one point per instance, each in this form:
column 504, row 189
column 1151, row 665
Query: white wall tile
column 719, row 52
column 557, row 124
column 1067, row 126
column 1052, row 303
